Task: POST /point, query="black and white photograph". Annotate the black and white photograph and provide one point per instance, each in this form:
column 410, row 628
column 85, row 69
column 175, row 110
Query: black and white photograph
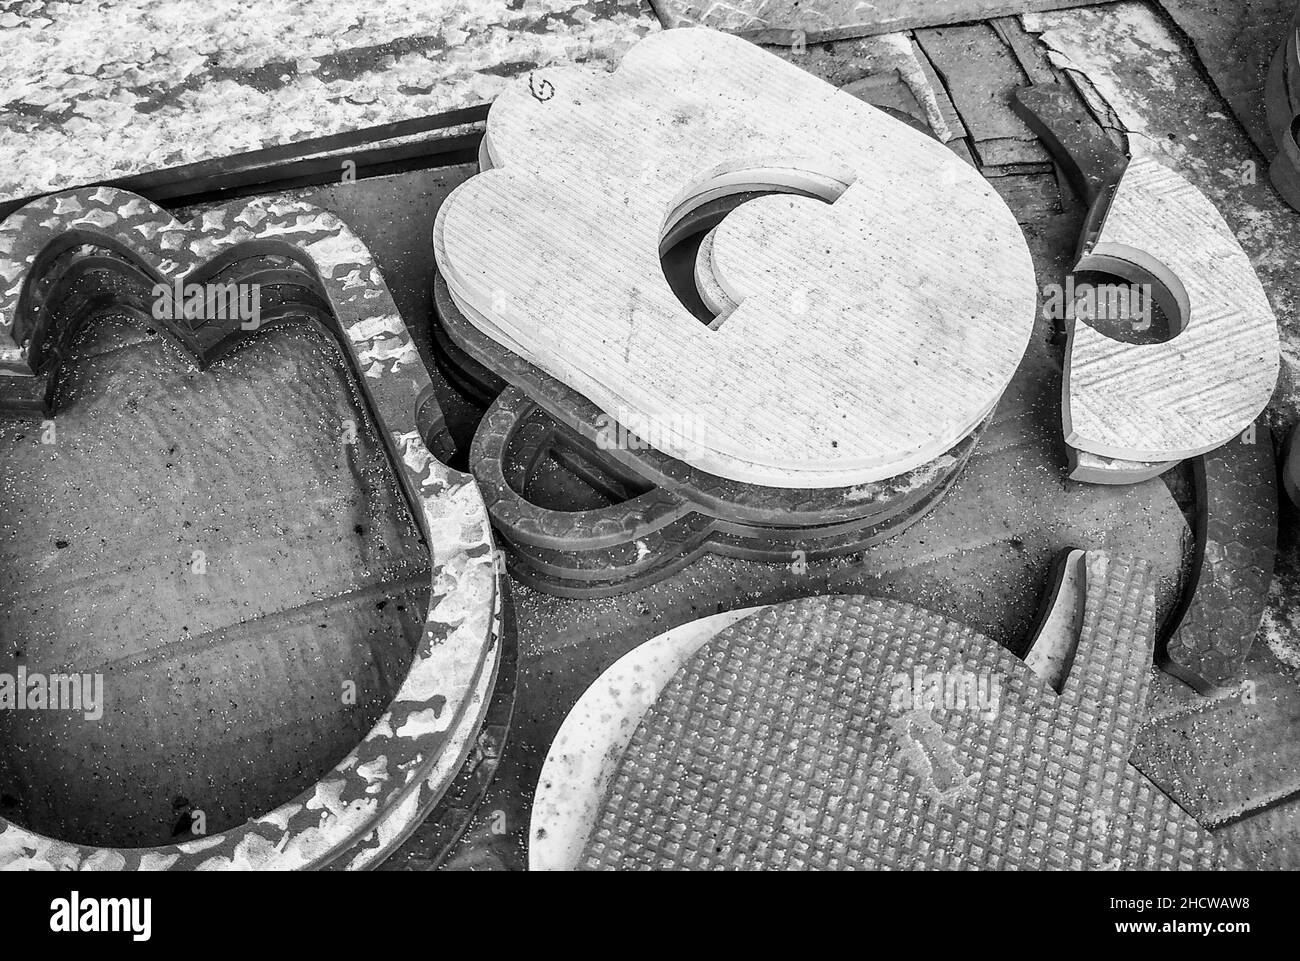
column 672, row 436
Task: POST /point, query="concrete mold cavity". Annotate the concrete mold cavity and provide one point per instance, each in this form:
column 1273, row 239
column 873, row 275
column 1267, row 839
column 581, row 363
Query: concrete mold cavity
column 274, row 611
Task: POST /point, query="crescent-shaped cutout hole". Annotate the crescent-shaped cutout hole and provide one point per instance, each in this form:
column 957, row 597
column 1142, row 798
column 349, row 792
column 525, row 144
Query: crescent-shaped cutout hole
column 703, row 206
column 1126, row 295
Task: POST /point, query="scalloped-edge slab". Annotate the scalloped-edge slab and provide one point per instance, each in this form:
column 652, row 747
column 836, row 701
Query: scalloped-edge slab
column 555, row 253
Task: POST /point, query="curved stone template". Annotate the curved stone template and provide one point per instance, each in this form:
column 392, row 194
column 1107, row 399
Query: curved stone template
column 525, row 522
column 852, row 296
column 1094, row 165
column 398, row 771
column 1190, row 394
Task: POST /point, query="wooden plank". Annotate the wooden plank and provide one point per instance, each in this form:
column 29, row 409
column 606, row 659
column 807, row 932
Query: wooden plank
column 850, row 300
column 980, row 73
column 1033, row 196
column 1189, row 395
column 1010, row 152
column 790, row 22
column 952, row 119
column 890, row 67
column 1029, row 53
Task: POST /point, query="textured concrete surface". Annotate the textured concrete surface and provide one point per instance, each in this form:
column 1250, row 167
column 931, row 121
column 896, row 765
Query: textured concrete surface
column 1235, row 40
column 105, row 88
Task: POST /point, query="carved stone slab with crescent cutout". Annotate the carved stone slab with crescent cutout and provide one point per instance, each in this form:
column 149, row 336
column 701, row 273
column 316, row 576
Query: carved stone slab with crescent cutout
column 1189, row 395
column 873, row 330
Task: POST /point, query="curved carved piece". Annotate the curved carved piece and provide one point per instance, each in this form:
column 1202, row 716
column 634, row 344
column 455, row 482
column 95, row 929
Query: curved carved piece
column 355, row 813
column 639, row 540
column 899, row 296
column 719, row 497
column 1094, row 164
column 1187, row 396
column 1054, row 638
column 1091, row 160
column 1095, row 469
column 1208, row 636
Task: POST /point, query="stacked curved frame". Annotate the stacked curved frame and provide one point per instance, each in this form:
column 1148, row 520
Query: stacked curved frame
column 359, row 811
column 629, row 545
column 673, row 512
column 721, row 497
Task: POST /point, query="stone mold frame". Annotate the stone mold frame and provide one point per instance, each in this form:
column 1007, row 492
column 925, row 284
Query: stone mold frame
column 381, row 790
